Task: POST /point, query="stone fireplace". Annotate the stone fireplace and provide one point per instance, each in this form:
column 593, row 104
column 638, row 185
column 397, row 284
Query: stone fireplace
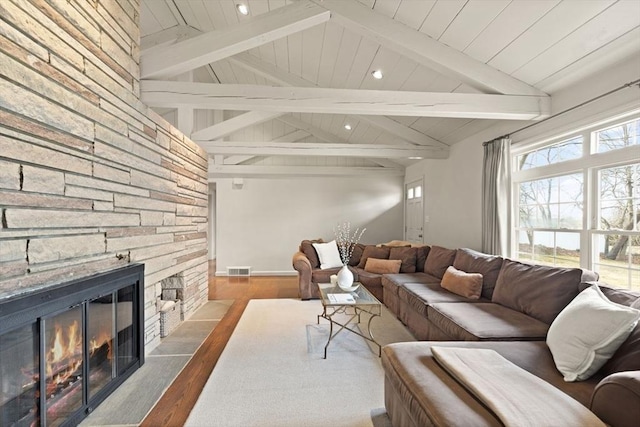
column 91, row 179
column 64, row 349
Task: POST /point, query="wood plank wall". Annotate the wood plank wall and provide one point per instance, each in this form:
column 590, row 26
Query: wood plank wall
column 90, row 178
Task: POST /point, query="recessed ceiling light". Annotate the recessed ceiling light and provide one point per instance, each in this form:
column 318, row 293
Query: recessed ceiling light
column 347, row 126
column 242, row 8
column 377, row 74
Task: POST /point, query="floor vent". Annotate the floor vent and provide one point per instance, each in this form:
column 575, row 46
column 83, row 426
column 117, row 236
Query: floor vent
column 239, row 271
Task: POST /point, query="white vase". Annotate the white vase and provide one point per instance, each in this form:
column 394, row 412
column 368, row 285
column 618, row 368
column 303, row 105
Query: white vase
column 345, row 279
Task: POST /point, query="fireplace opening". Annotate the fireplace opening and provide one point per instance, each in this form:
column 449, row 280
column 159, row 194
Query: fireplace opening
column 64, row 349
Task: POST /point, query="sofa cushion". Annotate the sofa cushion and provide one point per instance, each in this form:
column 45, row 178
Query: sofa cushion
column 324, row 276
column 438, row 260
column 485, row 321
column 468, row 285
column 537, row 290
column 328, row 254
column 627, row 357
column 373, row 252
column 369, row 280
column 419, row 295
column 306, row 247
column 356, row 254
column 382, row 266
column 587, row 333
column 437, row 399
column 408, row 257
column 476, row 262
column 421, row 257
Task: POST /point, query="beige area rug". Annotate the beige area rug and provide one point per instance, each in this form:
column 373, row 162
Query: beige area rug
column 272, row 371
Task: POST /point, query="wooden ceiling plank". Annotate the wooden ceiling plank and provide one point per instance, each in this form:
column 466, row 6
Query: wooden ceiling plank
column 546, row 32
column 472, row 20
column 423, row 49
column 413, row 13
column 315, row 131
column 589, row 37
column 215, row 45
column 513, row 21
column 234, row 160
column 283, row 78
column 293, row 136
column 394, row 128
column 273, row 148
column 233, row 125
column 163, row 93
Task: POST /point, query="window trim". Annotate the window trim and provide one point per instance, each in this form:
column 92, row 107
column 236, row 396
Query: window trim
column 589, row 164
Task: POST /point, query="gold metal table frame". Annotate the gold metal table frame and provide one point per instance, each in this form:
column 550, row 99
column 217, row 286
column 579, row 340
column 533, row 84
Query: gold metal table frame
column 365, row 302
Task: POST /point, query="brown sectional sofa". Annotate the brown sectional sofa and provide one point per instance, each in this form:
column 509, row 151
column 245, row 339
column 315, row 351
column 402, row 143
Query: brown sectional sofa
column 305, row 261
column 518, row 303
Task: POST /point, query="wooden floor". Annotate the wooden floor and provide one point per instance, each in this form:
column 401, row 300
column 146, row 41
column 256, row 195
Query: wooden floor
column 176, row 404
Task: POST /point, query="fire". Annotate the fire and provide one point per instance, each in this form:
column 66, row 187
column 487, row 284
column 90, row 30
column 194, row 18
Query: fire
column 97, row 343
column 64, row 357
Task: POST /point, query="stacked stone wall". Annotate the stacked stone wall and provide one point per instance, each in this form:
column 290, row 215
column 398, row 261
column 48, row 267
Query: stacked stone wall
column 91, row 178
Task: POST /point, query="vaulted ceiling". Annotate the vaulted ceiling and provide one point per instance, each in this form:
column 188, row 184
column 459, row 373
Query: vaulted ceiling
column 274, row 91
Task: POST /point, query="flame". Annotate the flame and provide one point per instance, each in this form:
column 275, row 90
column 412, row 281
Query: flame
column 96, row 343
column 64, row 357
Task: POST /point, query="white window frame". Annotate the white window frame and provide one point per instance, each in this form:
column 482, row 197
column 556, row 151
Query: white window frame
column 589, row 165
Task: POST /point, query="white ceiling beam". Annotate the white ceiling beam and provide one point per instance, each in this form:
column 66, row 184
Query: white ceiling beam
column 219, row 44
column 284, row 78
column 185, row 114
column 345, row 101
column 234, row 160
column 166, row 37
column 222, row 171
column 387, row 163
column 423, row 49
column 234, row 124
column 273, row 148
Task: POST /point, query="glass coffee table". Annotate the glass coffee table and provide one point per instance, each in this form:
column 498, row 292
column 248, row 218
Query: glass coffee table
column 350, row 306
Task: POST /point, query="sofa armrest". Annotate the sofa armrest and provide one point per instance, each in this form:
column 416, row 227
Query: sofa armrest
column 302, row 265
column 616, row 399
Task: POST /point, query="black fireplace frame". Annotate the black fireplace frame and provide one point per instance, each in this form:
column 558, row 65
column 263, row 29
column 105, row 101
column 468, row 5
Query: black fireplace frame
column 24, row 309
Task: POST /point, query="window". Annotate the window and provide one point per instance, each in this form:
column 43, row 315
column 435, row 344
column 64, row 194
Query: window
column 618, row 136
column 577, row 201
column 558, row 152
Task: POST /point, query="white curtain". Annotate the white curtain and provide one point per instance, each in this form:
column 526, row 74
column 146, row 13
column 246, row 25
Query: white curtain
column 496, row 196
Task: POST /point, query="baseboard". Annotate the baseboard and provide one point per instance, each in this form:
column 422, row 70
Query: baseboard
column 262, row 273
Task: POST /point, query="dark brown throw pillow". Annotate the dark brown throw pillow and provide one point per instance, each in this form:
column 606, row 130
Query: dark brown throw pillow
column 356, row 254
column 537, row 290
column 407, row 255
column 421, row 257
column 439, row 260
column 306, row 247
column 371, row 251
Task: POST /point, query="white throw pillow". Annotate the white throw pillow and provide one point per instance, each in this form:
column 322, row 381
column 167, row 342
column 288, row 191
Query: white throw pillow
column 328, row 254
column 587, row 332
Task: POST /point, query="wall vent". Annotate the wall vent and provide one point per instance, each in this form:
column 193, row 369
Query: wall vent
column 239, row 271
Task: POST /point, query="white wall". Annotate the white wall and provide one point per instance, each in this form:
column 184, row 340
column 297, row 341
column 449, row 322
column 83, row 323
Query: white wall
column 262, row 224
column 211, row 237
column 453, row 189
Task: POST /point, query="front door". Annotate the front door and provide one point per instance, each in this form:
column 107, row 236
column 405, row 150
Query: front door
column 414, row 211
